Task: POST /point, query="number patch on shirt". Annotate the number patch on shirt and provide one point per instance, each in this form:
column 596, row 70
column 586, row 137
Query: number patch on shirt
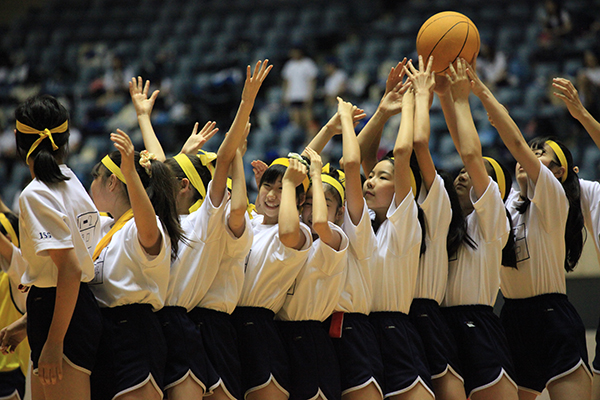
column 45, row 235
column 521, row 248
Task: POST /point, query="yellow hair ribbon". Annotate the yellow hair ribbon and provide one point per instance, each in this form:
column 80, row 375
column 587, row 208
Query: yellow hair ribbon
column 286, row 163
column 561, row 157
column 114, row 168
column 499, row 175
column 46, row 133
column 192, row 174
column 9, row 229
column 326, row 168
column 108, row 237
column 206, row 158
column 337, row 185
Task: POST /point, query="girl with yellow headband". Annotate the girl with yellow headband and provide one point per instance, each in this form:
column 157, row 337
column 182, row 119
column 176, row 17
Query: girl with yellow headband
column 590, row 191
column 132, row 269
column 399, row 228
column 545, row 334
column 13, row 343
column 59, row 228
column 198, row 330
column 474, row 273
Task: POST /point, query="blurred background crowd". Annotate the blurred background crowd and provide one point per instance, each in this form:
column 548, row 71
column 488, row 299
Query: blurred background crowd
column 195, row 51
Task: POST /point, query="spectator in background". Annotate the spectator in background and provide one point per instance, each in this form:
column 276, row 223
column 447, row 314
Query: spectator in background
column 556, row 26
column 492, row 66
column 588, row 82
column 335, row 82
column 299, row 78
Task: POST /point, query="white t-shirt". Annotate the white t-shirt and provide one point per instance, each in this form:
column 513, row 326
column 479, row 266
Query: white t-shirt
column 474, row 276
column 271, row 267
column 225, row 290
column 357, row 295
column 334, row 83
column 197, row 262
column 540, row 240
column 14, row 268
column 397, row 263
column 433, row 264
column 126, row 274
column 299, row 74
column 316, row 290
column 60, row 216
column 590, row 207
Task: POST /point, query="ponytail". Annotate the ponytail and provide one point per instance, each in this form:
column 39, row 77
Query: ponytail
column 42, row 135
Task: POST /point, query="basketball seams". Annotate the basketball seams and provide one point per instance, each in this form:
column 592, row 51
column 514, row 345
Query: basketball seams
column 429, row 23
column 444, row 35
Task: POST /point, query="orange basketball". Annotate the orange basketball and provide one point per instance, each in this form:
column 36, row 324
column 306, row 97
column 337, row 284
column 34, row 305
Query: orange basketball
column 447, row 36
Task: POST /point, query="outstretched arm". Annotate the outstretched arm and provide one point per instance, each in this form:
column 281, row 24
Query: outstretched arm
column 507, row 128
column 442, row 89
column 289, row 220
column 351, row 152
column 423, row 82
column 468, row 139
column 234, row 137
column 239, row 196
column 198, row 139
column 333, row 127
column 403, row 148
column 143, row 107
column 569, row 95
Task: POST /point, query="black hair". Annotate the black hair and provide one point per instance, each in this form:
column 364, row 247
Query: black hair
column 414, row 166
column 509, row 252
column 161, row 189
column 14, row 222
column 43, row 112
column 202, row 170
column 277, row 171
column 574, row 235
column 457, row 232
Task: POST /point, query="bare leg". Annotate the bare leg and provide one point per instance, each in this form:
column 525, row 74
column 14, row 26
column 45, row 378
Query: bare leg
column 504, row 389
column 74, row 385
column 596, row 387
column 269, row 392
column 525, row 395
column 146, row 392
column 219, row 394
column 449, row 387
column 576, row 385
column 369, row 392
column 188, row 389
column 419, row 392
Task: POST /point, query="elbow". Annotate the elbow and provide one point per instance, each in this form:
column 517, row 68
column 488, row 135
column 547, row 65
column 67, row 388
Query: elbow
column 351, row 163
column 289, row 239
column 421, row 144
column 320, row 226
column 402, row 151
column 470, row 155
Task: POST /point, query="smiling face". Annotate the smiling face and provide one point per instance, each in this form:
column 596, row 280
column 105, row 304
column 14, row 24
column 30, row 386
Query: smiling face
column 378, row 189
column 269, row 197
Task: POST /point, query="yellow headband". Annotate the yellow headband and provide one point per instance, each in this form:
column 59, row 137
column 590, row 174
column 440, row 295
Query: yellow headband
column 335, row 183
column 192, row 174
column 499, row 175
column 114, row 168
column 561, row 157
column 9, row 229
column 206, row 158
column 46, row 133
column 413, row 181
column 286, row 163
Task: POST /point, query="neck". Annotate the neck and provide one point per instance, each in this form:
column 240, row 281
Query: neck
column 270, row 220
column 118, row 210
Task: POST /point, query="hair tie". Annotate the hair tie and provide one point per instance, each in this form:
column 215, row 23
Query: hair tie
column 114, row 168
column 561, row 158
column 145, row 161
column 206, row 158
column 45, row 133
column 9, row 229
column 499, row 175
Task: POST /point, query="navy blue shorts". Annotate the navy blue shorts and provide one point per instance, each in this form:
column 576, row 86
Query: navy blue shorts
column 11, row 382
column 133, row 351
column 185, row 349
column 220, row 343
column 261, row 349
column 482, row 345
column 404, row 360
column 358, row 353
column 82, row 340
column 546, row 337
column 596, row 363
column 438, row 340
column 313, row 361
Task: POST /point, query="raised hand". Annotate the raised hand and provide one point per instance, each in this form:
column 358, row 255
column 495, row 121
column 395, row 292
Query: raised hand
column 254, row 81
column 139, row 96
column 442, row 85
column 568, row 94
column 392, row 102
column 395, row 76
column 259, row 168
column 461, row 84
column 423, row 79
column 335, row 125
column 345, row 108
column 123, row 143
column 197, row 139
column 477, row 86
column 316, row 164
column 295, row 172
